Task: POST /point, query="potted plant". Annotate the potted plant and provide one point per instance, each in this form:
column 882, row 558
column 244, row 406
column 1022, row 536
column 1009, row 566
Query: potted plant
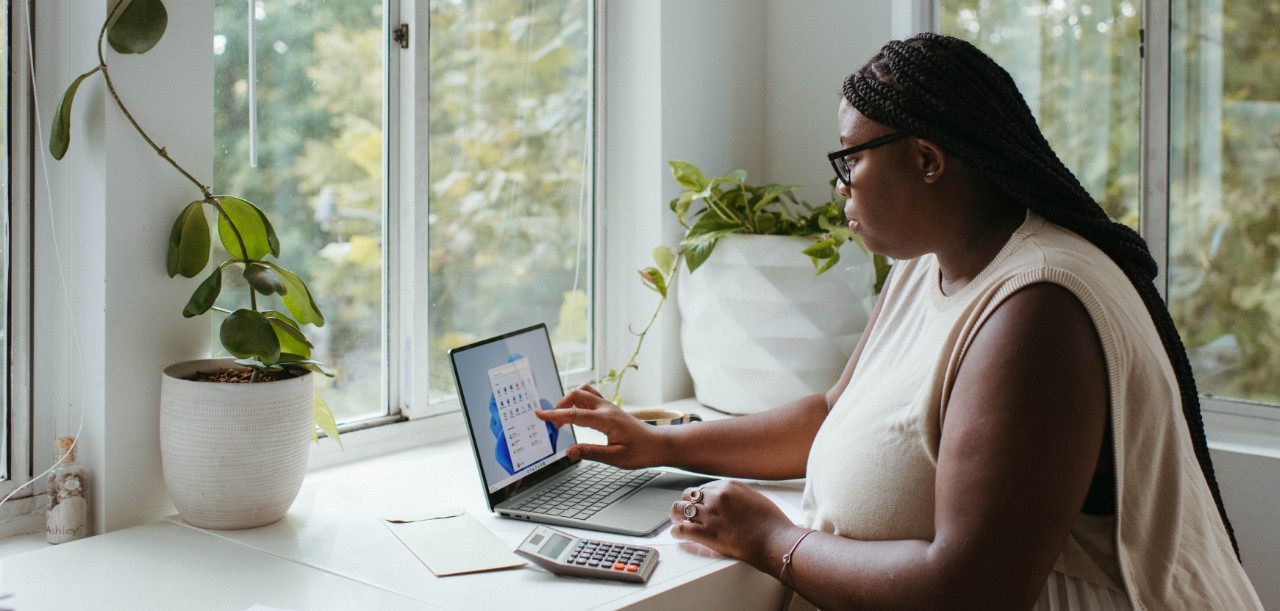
column 765, row 324
column 235, row 450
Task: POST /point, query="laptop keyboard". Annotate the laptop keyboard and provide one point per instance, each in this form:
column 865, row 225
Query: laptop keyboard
column 591, row 489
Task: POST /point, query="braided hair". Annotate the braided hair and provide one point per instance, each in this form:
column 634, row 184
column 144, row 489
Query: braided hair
column 945, row 89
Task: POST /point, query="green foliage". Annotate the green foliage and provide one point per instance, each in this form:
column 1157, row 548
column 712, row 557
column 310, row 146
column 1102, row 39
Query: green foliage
column 268, row 340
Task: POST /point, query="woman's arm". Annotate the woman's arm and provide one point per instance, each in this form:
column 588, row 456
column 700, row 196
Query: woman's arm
column 769, row 445
column 1020, row 441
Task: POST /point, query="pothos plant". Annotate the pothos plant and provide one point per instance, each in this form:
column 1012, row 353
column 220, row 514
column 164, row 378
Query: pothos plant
column 267, row 341
column 730, row 205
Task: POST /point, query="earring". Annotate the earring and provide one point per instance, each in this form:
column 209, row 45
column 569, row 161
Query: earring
column 929, row 174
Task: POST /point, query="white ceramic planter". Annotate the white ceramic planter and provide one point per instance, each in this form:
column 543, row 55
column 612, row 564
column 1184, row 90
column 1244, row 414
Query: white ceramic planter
column 758, row 328
column 234, row 455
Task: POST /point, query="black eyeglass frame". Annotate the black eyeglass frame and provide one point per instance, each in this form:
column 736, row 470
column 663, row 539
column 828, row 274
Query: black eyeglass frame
column 842, row 167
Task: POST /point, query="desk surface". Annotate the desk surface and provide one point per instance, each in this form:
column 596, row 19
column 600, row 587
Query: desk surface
column 332, row 552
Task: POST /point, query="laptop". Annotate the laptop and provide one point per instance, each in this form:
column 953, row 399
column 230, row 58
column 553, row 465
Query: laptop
column 523, row 461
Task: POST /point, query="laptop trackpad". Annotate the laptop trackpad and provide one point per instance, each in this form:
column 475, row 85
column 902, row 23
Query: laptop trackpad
column 643, row 511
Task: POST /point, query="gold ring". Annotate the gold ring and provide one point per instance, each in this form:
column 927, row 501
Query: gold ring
column 690, row 510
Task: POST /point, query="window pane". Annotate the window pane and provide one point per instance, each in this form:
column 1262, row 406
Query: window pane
column 1076, row 63
column 511, row 92
column 1224, row 232
column 315, row 166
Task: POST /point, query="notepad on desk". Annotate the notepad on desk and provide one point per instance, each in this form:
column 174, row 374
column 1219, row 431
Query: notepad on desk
column 452, row 542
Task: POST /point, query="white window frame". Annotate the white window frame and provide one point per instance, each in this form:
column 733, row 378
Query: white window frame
column 23, row 512
column 1243, row 425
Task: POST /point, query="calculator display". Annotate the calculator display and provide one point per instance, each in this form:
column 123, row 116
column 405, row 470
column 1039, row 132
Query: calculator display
column 553, row 547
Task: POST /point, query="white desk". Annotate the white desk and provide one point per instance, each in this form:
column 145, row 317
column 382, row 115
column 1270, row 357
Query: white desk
column 333, row 552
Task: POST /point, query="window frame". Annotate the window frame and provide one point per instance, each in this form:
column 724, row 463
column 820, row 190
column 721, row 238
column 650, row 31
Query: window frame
column 416, row 419
column 1235, row 423
column 17, row 442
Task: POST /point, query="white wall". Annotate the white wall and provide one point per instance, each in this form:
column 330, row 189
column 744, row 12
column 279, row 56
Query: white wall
column 100, row 358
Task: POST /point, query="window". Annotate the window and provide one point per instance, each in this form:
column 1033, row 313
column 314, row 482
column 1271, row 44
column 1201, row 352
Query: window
column 1078, row 63
column 1224, row 215
column 493, row 234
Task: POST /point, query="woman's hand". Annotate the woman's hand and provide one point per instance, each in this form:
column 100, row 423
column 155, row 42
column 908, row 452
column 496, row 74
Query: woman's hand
column 631, row 443
column 731, row 518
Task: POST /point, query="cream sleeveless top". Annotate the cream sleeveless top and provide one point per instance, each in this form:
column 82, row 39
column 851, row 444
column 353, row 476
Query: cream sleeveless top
column 872, row 467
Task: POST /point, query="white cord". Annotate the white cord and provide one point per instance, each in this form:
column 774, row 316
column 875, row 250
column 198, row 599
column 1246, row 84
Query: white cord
column 57, row 251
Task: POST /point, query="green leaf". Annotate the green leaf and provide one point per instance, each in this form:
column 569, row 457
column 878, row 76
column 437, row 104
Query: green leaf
column 696, row 254
column 882, row 270
column 139, row 27
column 292, row 340
column 610, row 377
column 771, row 193
column 248, row 334
column 653, row 278
column 711, row 227
column 665, row 257
column 830, row 263
column 688, row 175
column 737, row 176
column 680, row 206
column 297, row 363
column 324, row 419
column 205, row 295
column 766, row 223
column 822, row 250
column 297, row 298
column 60, row 132
column 264, row 279
column 254, row 228
column 189, row 242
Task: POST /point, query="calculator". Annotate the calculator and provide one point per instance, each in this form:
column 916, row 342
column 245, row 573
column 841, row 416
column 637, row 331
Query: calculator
column 566, row 554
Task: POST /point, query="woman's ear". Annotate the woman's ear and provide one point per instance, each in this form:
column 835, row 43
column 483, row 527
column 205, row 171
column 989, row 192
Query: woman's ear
column 932, row 160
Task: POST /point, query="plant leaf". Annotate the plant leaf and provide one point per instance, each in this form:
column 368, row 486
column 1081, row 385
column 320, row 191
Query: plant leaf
column 297, row 298
column 293, row 342
column 665, row 257
column 139, row 27
column 189, row 242
column 264, row 279
column 60, row 132
column 696, row 254
column 771, row 193
column 653, row 278
column 293, row 361
column 248, row 334
column 323, row 416
column 205, row 295
column 738, row 176
column 688, row 175
column 256, row 231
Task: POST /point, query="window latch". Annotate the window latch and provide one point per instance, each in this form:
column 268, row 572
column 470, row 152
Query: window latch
column 401, row 35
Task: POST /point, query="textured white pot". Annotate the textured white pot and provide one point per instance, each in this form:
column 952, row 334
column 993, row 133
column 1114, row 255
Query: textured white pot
column 758, row 328
column 233, row 454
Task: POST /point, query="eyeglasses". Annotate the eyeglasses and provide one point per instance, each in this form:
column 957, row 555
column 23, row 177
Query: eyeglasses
column 841, row 165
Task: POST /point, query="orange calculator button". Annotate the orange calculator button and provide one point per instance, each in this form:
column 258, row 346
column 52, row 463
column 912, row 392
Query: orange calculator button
column 618, row 566
column 633, row 567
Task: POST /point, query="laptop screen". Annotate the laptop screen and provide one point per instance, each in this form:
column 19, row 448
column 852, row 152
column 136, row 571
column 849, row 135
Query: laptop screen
column 501, row 382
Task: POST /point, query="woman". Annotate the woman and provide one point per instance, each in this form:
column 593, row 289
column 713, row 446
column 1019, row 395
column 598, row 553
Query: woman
column 1018, row 427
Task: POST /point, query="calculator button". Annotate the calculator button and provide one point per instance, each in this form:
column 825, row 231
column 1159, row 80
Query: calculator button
column 618, row 566
column 633, row 567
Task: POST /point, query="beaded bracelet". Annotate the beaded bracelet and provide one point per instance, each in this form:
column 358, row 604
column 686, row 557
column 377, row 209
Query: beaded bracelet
column 786, row 558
